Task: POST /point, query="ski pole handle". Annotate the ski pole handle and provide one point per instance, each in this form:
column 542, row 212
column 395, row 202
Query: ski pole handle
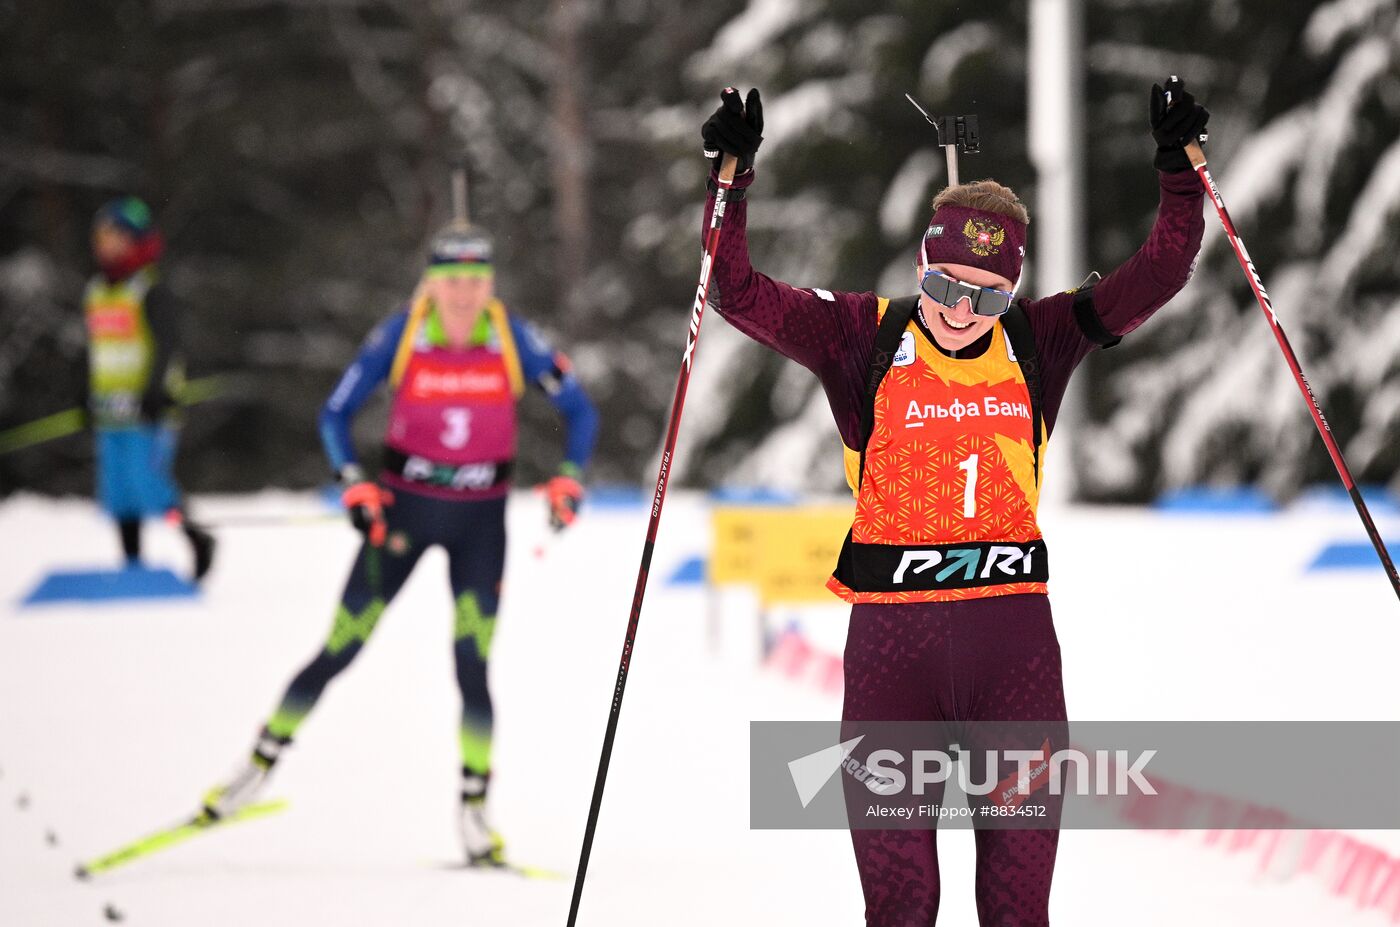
column 728, row 167
column 1195, row 155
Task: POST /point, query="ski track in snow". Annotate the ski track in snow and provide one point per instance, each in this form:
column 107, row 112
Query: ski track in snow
column 117, row 718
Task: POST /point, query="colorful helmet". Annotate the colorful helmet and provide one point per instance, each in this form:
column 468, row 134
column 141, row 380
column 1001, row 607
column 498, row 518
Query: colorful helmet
column 128, row 213
column 461, row 248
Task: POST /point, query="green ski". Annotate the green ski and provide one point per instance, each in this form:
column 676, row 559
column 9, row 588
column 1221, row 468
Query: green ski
column 169, row 837
column 525, row 872
column 504, row 867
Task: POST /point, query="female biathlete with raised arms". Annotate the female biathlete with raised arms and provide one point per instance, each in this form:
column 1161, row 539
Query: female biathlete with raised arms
column 456, row 362
column 943, row 401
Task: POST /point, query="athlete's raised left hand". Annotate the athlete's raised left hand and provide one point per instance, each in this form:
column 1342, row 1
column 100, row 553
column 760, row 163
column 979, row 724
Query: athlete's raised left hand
column 1176, row 119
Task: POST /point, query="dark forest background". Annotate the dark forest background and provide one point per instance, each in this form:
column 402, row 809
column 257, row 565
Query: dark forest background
column 297, row 155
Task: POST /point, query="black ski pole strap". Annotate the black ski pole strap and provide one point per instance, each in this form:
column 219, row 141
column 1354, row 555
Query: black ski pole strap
column 1087, row 317
column 734, row 195
column 1017, row 326
column 893, row 323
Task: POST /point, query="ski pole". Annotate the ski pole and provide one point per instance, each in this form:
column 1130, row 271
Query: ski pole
column 697, row 310
column 1198, row 161
column 71, row 421
column 271, row 520
column 59, row 425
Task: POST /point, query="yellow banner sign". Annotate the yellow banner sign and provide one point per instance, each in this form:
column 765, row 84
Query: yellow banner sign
column 787, row 553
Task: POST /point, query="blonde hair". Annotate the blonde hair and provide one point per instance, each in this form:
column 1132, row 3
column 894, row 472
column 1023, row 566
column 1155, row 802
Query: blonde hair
column 418, row 305
column 986, row 196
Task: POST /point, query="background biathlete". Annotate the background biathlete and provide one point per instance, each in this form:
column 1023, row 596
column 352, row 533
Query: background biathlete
column 134, row 368
column 944, row 401
column 457, row 362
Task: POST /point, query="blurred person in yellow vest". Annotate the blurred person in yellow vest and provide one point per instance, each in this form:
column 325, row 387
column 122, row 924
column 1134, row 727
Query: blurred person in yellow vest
column 133, row 329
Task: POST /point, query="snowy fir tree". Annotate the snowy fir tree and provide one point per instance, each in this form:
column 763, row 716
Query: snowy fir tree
column 1306, row 108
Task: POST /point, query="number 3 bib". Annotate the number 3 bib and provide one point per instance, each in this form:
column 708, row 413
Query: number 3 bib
column 452, row 424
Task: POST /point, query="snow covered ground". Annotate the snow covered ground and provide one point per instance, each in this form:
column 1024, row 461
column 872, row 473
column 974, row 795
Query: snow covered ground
column 115, row 718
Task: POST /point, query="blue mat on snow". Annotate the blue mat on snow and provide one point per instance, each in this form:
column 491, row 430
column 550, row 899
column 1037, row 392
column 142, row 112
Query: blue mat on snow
column 616, row 496
column 129, row 584
column 751, row 495
column 1206, row 500
column 1347, row 555
column 1378, row 498
column 691, row 572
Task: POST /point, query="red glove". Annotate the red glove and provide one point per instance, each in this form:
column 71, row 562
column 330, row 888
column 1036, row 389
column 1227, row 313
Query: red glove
column 565, row 495
column 366, row 501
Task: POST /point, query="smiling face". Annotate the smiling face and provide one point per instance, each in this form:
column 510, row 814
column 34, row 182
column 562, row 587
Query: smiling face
column 958, row 327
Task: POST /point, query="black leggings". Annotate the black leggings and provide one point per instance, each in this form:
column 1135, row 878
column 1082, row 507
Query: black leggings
column 474, row 536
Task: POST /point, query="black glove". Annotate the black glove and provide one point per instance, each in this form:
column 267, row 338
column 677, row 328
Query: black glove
column 735, row 128
column 1184, row 120
column 365, row 502
column 83, row 405
column 154, row 404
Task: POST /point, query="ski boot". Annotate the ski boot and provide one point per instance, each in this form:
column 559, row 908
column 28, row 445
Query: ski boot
column 130, row 529
column 202, row 545
column 201, row 541
column 481, row 844
column 248, row 781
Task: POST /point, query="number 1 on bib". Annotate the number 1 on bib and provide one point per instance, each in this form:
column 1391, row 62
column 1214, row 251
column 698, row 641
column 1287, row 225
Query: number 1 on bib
column 970, row 487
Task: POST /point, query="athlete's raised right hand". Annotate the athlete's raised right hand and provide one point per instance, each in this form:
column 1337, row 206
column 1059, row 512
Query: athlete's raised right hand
column 735, row 128
column 365, row 501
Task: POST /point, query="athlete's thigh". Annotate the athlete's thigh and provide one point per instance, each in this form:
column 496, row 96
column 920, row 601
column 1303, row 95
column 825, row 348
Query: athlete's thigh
column 151, row 475
column 894, row 662
column 1008, row 661
column 379, row 572
column 476, row 552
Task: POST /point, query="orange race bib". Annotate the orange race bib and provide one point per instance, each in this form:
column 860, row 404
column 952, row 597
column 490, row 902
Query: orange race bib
column 948, row 491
